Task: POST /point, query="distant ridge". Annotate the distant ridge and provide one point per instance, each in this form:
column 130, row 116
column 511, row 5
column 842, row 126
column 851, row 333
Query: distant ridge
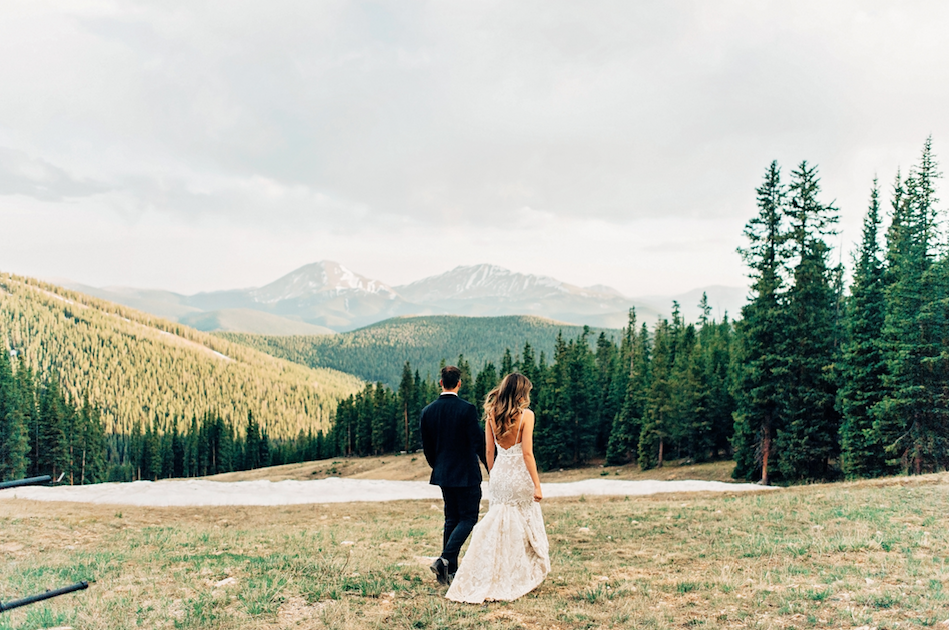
column 331, row 296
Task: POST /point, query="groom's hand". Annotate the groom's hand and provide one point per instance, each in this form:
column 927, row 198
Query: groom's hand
column 538, row 495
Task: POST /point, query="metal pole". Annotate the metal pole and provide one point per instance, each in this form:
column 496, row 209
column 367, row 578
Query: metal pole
column 30, row 481
column 32, row 599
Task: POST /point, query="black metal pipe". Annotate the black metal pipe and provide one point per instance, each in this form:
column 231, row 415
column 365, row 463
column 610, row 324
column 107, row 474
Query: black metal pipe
column 32, row 599
column 29, row 481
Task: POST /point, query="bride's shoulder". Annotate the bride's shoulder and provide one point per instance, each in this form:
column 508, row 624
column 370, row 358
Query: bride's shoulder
column 528, row 415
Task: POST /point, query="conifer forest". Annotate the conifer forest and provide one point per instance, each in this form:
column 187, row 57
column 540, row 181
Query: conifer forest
column 829, row 371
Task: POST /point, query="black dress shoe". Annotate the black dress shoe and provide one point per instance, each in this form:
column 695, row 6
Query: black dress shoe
column 440, row 568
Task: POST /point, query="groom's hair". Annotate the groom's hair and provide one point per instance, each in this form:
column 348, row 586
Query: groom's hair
column 450, row 377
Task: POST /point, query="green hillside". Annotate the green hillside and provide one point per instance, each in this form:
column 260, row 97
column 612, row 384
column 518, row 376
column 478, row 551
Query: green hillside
column 378, row 352
column 251, row 321
column 137, row 367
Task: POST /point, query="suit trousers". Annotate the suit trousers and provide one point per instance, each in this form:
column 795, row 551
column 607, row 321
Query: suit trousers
column 461, row 515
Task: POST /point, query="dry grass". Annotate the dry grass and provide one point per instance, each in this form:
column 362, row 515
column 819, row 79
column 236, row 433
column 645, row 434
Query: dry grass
column 850, row 555
column 412, row 467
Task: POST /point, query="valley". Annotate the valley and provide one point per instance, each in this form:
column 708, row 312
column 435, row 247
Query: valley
column 378, row 353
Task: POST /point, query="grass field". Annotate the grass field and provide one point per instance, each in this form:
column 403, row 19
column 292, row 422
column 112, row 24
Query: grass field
column 849, row 555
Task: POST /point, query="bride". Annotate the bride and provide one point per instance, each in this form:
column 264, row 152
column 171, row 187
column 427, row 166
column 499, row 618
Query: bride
column 508, row 555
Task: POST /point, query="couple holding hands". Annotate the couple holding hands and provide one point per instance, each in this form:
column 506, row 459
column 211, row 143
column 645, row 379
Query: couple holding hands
column 509, row 554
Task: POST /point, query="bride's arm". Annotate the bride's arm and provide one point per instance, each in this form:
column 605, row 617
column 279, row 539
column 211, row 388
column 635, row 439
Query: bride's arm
column 489, row 445
column 527, row 446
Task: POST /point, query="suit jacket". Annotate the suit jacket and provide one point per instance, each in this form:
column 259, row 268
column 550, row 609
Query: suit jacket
column 453, row 442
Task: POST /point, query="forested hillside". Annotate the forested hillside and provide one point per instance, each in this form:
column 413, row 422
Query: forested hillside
column 141, row 371
column 378, row 352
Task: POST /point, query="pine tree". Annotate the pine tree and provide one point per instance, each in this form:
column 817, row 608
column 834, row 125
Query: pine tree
column 807, row 439
column 608, row 403
column 54, row 421
column 29, row 407
column 507, row 363
column 529, row 368
column 408, row 400
column 363, row 424
column 863, row 362
column 627, row 425
column 486, row 380
column 759, row 365
column 466, row 391
column 90, row 444
column 14, row 441
column 559, row 410
column 252, row 441
column 151, row 455
column 659, row 404
column 911, row 417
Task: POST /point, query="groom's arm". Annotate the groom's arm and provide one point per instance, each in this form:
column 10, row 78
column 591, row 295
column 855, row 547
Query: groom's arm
column 476, row 435
column 428, row 439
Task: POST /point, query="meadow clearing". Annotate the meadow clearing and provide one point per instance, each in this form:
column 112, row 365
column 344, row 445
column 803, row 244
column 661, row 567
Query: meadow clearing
column 872, row 554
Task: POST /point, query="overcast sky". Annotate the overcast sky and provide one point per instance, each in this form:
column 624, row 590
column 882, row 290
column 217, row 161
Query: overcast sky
column 209, row 145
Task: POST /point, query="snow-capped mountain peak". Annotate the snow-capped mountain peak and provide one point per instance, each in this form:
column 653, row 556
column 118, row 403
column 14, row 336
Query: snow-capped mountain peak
column 487, row 281
column 324, row 277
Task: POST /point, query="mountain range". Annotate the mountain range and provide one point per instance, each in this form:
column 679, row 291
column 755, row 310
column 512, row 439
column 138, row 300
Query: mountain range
column 326, row 297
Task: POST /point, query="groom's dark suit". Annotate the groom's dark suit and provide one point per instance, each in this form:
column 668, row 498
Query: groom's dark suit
column 453, row 444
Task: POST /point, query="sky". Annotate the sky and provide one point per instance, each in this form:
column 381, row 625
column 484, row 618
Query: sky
column 196, row 146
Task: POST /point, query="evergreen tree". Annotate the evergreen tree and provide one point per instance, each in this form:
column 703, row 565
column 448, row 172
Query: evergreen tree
column 659, row 403
column 408, row 402
column 151, row 455
column 507, row 363
column 54, row 424
column 911, row 417
column 14, row 440
column 863, row 362
column 364, row 415
column 383, row 420
column 90, row 445
column 760, row 367
column 466, row 391
column 566, row 430
column 608, row 402
column 529, row 368
column 486, row 380
column 627, row 425
column 252, row 440
column 29, row 407
column 807, row 439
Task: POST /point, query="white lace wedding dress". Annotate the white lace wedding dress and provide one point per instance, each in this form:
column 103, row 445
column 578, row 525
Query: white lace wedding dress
column 508, row 555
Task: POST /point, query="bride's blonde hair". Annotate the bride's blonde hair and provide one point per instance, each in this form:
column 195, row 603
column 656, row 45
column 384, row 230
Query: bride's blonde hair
column 504, row 403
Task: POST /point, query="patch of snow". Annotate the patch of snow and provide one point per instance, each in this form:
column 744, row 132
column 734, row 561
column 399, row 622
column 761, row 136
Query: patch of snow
column 193, row 492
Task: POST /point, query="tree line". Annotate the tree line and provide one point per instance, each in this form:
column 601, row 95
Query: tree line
column 810, row 383
column 377, row 353
column 828, row 383
column 651, row 396
column 44, row 432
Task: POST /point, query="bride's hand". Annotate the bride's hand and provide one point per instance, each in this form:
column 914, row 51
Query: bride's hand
column 538, row 495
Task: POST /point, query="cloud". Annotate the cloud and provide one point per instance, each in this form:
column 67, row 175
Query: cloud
column 21, row 174
column 349, row 122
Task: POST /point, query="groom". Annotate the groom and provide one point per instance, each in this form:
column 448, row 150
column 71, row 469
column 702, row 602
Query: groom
column 453, row 443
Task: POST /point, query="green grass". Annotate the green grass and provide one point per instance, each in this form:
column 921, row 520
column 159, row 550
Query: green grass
column 806, row 557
